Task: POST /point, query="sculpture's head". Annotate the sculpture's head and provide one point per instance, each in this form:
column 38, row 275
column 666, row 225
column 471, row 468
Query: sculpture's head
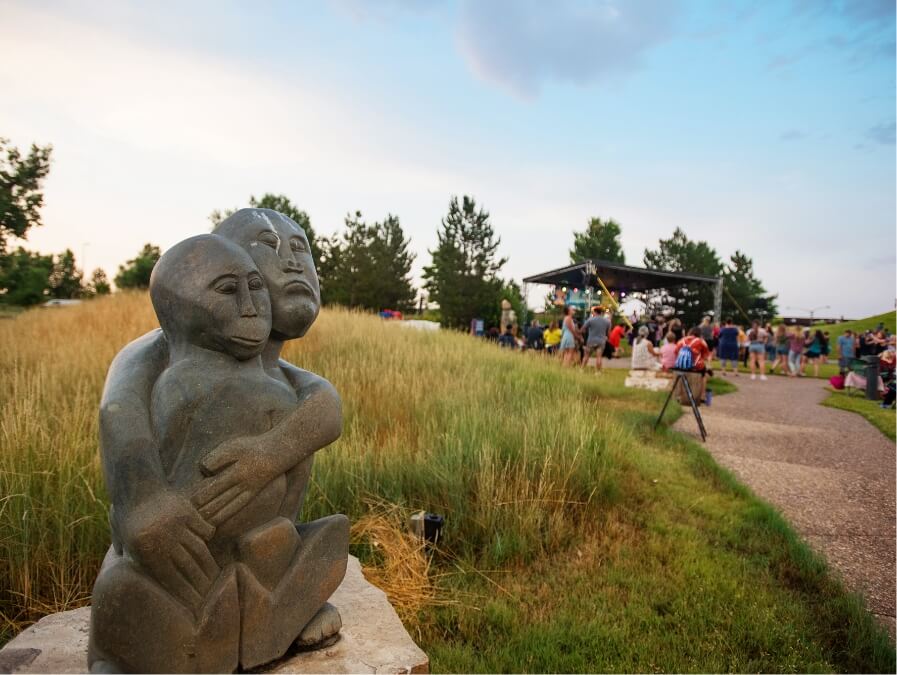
column 280, row 249
column 207, row 292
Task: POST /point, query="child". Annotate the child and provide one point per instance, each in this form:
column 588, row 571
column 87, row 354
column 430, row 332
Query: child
column 668, row 352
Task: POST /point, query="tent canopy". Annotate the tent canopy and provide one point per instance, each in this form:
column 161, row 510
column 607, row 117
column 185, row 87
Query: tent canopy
column 617, row 277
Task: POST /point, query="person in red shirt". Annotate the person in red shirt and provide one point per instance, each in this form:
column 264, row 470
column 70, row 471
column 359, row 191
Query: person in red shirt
column 700, row 353
column 616, row 335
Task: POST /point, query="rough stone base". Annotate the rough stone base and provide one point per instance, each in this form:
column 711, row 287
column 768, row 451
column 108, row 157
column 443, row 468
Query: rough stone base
column 654, row 380
column 373, row 639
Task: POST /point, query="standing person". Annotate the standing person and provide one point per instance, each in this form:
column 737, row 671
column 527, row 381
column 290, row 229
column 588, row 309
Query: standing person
column 826, row 346
column 795, row 352
column 506, row 339
column 757, row 349
column 644, row 356
column 770, row 347
column 846, row 350
column 569, row 337
column 727, row 348
column 552, row 338
column 676, row 328
column 815, row 345
column 780, row 340
column 662, row 329
column 707, row 333
column 598, row 327
column 742, row 346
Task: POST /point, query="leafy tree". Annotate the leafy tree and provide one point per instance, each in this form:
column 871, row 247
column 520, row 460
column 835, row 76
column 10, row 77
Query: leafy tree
column 748, row 291
column 25, row 277
column 21, row 178
column 463, row 276
column 99, row 283
column 680, row 254
column 65, row 277
column 368, row 266
column 136, row 272
column 281, row 204
column 599, row 241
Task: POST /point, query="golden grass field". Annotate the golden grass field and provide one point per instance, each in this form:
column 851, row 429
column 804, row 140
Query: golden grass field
column 577, row 539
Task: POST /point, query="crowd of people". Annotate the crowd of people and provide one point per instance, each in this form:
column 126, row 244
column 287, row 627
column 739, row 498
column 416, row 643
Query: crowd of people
column 657, row 344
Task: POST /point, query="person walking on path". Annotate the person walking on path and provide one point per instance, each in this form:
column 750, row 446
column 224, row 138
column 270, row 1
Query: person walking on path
column 727, row 348
column 781, row 344
column 569, row 337
column 795, row 352
column 757, row 350
column 598, row 328
column 816, row 346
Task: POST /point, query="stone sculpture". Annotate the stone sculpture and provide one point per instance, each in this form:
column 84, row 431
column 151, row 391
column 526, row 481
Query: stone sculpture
column 207, row 439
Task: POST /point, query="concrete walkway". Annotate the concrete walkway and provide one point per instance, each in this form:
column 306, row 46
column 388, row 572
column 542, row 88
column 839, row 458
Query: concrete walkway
column 830, row 472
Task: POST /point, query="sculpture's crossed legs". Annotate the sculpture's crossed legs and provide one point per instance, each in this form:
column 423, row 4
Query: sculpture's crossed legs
column 256, row 608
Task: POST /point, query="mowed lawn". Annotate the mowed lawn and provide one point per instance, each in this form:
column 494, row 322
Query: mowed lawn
column 576, row 538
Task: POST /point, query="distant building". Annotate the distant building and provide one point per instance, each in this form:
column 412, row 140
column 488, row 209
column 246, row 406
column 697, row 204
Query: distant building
column 807, row 321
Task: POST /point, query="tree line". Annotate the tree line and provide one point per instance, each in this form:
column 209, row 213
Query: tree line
column 367, row 265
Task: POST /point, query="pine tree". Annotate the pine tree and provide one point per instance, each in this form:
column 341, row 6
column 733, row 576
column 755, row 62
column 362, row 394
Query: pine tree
column 743, row 288
column 368, row 266
column 689, row 302
column 463, row 276
column 599, row 241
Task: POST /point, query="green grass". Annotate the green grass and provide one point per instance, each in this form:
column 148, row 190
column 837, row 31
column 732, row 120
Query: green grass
column 882, row 418
column 889, row 319
column 576, row 539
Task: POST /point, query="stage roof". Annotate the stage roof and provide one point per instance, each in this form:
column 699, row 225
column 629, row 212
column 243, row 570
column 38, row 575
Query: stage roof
column 617, row 277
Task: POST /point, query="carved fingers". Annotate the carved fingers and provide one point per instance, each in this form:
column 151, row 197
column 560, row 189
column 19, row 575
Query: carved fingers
column 231, row 508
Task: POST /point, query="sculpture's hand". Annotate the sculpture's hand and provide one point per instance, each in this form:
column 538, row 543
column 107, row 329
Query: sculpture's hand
column 238, row 469
column 167, row 537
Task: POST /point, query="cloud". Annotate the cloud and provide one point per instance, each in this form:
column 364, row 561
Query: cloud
column 522, row 44
column 792, row 135
column 883, row 134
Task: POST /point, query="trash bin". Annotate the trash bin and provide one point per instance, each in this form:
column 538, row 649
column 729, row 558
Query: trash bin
column 871, row 377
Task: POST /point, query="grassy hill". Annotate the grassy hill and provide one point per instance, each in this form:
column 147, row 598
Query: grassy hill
column 889, row 319
column 576, row 539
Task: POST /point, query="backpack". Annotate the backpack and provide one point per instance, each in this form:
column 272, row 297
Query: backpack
column 685, row 359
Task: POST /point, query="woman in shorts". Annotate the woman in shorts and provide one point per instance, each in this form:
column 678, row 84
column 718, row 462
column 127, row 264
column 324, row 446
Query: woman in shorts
column 757, row 350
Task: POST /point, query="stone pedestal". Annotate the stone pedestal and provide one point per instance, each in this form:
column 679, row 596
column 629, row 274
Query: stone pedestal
column 654, row 380
column 373, row 639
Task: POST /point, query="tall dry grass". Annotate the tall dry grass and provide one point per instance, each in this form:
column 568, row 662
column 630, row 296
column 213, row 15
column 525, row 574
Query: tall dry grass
column 512, row 454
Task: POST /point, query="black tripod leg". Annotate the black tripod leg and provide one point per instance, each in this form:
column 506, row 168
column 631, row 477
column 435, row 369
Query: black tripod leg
column 694, row 408
column 667, row 402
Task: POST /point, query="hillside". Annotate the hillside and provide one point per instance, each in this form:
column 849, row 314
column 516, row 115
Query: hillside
column 576, row 539
column 888, row 318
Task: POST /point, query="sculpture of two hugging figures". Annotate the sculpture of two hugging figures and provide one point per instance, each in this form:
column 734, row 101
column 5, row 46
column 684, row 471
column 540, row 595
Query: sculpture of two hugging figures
column 207, row 439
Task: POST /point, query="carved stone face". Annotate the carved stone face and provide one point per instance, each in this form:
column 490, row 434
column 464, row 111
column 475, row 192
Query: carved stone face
column 208, row 292
column 280, row 249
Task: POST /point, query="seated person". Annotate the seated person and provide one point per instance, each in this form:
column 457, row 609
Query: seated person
column 668, row 352
column 507, row 338
column 700, row 352
column 552, row 337
column 644, row 356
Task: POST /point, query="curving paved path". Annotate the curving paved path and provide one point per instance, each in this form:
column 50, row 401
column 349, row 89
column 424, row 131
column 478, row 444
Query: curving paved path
column 830, row 472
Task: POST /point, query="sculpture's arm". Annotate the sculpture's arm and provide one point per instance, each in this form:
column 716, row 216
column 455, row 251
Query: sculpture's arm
column 240, row 467
column 153, row 523
column 131, row 463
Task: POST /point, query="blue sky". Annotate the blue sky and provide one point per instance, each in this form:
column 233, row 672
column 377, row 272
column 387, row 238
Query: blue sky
column 764, row 127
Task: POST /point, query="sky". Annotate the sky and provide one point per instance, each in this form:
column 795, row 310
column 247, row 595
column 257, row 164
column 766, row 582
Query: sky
column 767, row 128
